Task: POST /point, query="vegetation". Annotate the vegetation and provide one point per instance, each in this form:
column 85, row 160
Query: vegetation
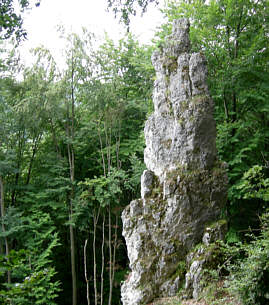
column 71, row 155
column 11, row 22
column 128, row 8
column 70, row 160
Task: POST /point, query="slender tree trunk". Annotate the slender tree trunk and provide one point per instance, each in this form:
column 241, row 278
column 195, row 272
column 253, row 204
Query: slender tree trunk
column 94, row 263
column 14, row 192
column 225, row 104
column 115, row 249
column 21, row 143
column 118, row 139
column 71, row 227
column 1, row 247
column 102, row 152
column 70, row 133
column 95, row 221
column 108, row 135
column 36, row 141
column 108, row 162
column 110, row 256
column 85, row 271
column 103, row 260
column 73, row 259
column 2, row 204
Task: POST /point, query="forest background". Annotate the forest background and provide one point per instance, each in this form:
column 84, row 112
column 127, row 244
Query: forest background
column 71, row 151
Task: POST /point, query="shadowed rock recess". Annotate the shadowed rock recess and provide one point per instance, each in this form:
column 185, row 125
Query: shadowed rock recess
column 184, row 187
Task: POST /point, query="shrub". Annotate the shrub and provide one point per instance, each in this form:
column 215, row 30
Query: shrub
column 249, row 277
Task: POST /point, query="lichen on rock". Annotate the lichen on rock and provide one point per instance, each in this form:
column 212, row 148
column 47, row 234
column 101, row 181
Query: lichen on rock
column 184, row 187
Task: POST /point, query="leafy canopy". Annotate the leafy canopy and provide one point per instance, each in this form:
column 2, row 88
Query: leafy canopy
column 11, row 22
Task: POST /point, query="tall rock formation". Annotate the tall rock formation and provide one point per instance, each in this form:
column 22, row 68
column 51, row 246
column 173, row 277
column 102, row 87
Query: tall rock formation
column 183, row 189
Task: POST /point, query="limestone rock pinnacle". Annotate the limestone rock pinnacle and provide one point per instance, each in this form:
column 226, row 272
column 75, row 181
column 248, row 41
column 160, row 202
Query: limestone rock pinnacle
column 183, row 189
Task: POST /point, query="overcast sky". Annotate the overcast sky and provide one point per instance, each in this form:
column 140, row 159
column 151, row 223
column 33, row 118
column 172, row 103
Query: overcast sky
column 41, row 22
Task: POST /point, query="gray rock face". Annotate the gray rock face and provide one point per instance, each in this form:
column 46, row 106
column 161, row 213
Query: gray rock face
column 202, row 258
column 184, row 189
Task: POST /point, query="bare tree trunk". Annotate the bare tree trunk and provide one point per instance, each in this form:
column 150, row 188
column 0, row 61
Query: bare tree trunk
column 1, row 247
column 14, row 192
column 118, row 139
column 225, row 104
column 71, row 159
column 108, row 148
column 36, row 141
column 110, row 256
column 73, row 262
column 108, row 162
column 2, row 204
column 21, row 145
column 85, row 271
column 71, row 228
column 103, row 260
column 114, row 249
column 95, row 221
column 102, row 152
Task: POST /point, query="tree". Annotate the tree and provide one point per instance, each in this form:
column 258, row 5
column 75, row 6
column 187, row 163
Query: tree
column 115, row 103
column 128, row 8
column 11, row 22
column 58, row 132
column 2, row 205
column 28, row 240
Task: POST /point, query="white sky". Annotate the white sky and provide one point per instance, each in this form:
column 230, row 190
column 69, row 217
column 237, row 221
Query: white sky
column 41, row 22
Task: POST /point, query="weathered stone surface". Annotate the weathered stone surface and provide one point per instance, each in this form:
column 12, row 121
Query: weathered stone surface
column 203, row 257
column 184, row 189
column 146, row 183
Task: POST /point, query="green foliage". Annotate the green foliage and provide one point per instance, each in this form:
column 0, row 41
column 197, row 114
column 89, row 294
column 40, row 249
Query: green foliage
column 36, row 288
column 254, row 184
column 11, row 21
column 112, row 93
column 238, row 273
column 13, row 221
column 111, row 87
column 31, row 268
column 137, row 168
column 232, row 236
column 106, row 190
column 249, row 276
column 128, row 8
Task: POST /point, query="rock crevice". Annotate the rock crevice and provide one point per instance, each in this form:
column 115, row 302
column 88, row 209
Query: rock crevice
column 183, row 190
